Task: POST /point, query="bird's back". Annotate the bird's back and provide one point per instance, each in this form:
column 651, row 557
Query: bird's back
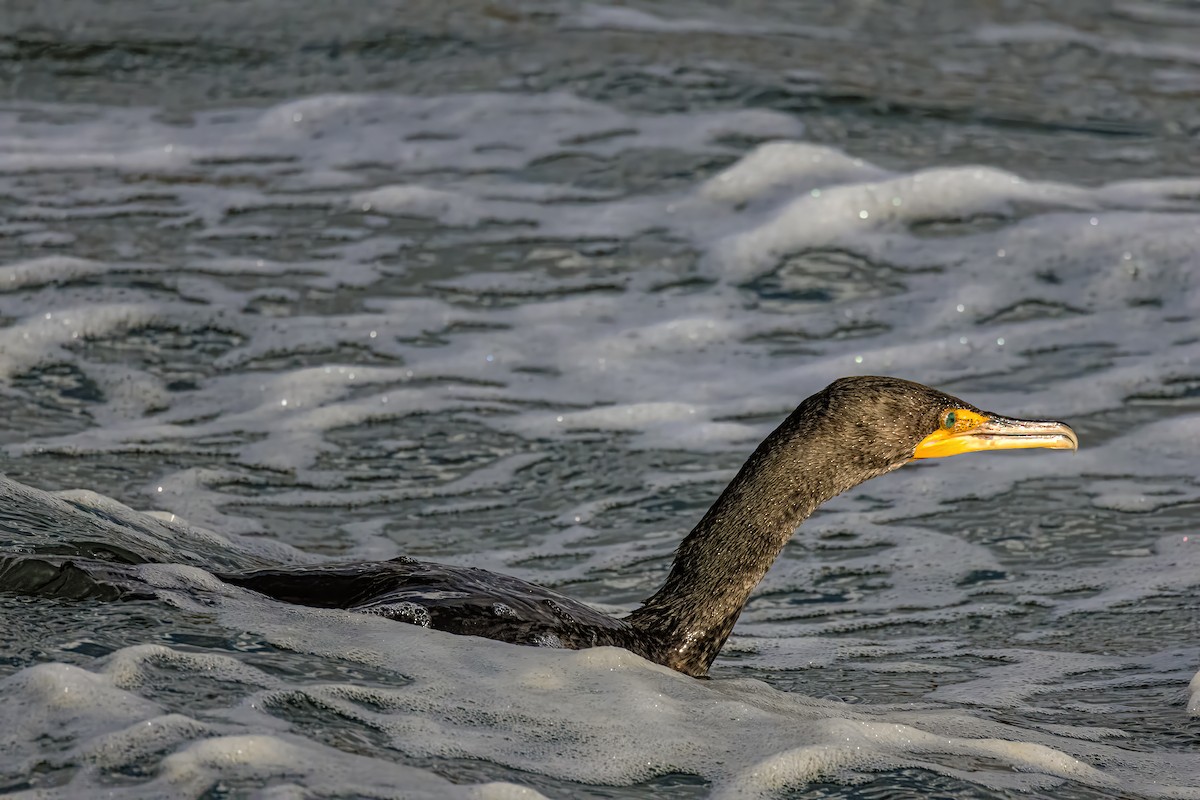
column 461, row 600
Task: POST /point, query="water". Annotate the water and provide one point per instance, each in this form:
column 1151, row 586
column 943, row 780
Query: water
column 519, row 286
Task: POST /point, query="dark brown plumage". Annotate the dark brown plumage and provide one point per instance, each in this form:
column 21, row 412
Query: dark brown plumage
column 853, row 430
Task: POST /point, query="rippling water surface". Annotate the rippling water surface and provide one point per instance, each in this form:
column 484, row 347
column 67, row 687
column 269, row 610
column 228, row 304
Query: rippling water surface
column 518, row 286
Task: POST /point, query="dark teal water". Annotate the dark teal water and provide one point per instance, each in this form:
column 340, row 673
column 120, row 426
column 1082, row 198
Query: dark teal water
column 518, row 285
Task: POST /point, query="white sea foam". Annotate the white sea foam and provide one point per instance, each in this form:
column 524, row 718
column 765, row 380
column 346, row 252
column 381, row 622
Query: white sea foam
column 381, row 320
column 103, row 728
column 459, row 696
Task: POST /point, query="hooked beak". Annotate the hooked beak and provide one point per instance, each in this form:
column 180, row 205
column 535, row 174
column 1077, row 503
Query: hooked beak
column 975, row 431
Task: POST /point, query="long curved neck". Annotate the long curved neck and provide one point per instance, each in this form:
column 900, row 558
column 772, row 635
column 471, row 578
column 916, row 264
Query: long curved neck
column 726, row 555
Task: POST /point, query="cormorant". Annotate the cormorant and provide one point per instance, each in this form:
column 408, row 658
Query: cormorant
column 853, row 430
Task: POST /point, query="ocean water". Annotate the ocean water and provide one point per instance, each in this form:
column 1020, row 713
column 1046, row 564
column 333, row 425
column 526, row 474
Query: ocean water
column 519, row 286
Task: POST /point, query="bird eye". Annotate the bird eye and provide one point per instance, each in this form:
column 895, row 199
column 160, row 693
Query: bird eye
column 948, row 420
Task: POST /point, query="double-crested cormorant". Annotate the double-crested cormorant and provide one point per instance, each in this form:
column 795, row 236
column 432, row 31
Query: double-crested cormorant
column 853, row 430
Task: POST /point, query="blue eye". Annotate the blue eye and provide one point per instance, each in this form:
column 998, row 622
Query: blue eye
column 948, row 421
